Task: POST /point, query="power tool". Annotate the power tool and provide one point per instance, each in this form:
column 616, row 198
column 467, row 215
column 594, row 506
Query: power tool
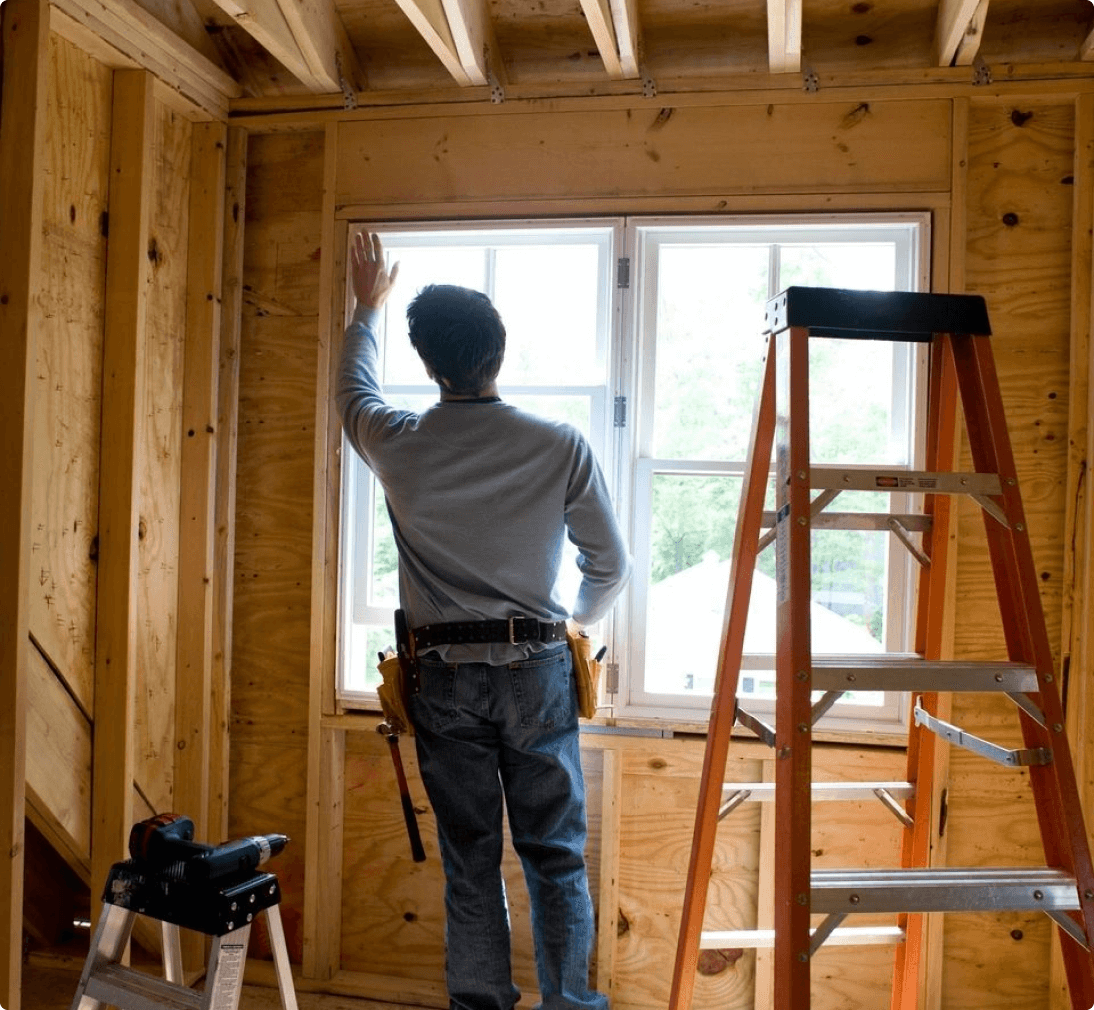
column 165, row 845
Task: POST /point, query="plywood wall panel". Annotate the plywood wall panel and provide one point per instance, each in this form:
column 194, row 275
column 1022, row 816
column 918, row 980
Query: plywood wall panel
column 58, row 755
column 69, row 354
column 646, row 152
column 275, row 451
column 1018, row 255
column 393, row 908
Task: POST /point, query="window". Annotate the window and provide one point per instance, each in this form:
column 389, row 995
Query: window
column 659, row 363
column 536, row 276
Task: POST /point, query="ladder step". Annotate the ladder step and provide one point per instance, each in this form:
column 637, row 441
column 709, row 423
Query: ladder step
column 843, row 936
column 945, row 889
column 913, row 316
column 838, row 478
column 128, row 989
column 892, row 672
column 764, row 792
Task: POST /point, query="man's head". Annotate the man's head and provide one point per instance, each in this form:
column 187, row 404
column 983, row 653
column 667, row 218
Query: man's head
column 459, row 336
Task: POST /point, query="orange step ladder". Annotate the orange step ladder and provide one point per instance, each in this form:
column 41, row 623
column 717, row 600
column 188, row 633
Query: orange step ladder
column 961, row 367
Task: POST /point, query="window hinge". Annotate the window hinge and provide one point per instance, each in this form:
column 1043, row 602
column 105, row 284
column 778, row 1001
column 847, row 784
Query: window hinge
column 623, row 272
column 611, row 680
column 620, row 412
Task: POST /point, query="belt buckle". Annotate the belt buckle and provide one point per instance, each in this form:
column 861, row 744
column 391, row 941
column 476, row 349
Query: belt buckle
column 513, row 631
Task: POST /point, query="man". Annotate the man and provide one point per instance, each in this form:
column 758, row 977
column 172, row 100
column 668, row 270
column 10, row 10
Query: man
column 480, row 496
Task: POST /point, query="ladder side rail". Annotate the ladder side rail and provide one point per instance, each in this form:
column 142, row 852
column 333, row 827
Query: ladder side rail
column 793, row 671
column 939, row 453
column 1055, row 788
column 724, row 703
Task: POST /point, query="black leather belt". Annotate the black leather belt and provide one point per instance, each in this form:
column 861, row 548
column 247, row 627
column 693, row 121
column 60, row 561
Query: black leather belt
column 512, row 631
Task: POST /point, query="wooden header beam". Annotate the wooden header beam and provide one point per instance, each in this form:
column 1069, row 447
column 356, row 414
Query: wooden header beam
column 22, row 150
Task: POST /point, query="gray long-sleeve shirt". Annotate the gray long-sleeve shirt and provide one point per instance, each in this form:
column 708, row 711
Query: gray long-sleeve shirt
column 481, row 495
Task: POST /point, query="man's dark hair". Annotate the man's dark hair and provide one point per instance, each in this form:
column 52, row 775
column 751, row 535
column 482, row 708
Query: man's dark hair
column 459, row 335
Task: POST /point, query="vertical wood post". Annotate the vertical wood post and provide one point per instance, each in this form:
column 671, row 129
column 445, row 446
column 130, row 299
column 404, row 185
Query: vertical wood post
column 198, row 473
column 201, row 367
column 1079, row 530
column 128, row 275
column 326, row 747
column 231, row 307
column 22, row 151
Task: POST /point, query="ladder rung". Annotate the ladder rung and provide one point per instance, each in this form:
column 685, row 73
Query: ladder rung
column 764, row 792
column 914, row 522
column 126, row 988
column 890, row 672
column 844, row 936
column 910, row 481
column 945, row 889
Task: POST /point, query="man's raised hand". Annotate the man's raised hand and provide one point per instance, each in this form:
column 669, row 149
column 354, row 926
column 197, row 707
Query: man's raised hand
column 372, row 282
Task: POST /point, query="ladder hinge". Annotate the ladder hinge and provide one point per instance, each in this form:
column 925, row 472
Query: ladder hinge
column 620, row 412
column 611, row 680
column 623, row 272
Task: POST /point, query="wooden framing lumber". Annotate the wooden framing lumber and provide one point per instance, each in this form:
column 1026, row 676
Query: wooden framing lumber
column 784, row 36
column 598, row 13
column 625, row 19
column 1086, row 50
column 317, row 27
column 466, row 21
column 227, row 427
column 312, row 45
column 143, row 40
column 1079, row 520
column 22, row 147
column 194, row 648
column 955, row 18
column 431, row 21
column 326, row 747
column 127, row 282
column 969, row 44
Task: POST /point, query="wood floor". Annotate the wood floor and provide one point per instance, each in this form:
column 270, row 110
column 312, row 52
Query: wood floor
column 53, row 989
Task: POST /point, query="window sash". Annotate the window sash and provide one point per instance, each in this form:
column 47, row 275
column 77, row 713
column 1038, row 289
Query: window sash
column 908, row 234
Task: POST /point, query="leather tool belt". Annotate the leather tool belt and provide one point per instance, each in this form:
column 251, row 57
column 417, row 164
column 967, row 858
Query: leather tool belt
column 511, row 631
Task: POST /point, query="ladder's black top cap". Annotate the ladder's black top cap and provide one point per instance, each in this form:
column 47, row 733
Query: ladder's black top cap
column 877, row 315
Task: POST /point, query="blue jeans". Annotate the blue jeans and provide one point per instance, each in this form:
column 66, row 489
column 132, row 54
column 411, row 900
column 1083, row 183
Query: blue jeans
column 487, row 732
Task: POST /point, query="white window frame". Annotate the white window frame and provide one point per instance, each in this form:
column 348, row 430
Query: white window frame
column 357, row 482
column 625, row 450
column 632, row 701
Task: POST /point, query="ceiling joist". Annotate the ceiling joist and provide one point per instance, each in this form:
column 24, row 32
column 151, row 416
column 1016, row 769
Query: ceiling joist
column 598, row 14
column 960, row 26
column 1086, row 50
column 466, row 22
column 625, row 19
column 307, row 38
column 429, row 18
column 969, row 45
column 784, row 36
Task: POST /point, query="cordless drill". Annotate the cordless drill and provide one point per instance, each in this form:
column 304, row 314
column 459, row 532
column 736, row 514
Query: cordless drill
column 165, row 843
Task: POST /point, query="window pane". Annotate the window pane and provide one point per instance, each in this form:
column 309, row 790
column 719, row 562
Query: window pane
column 575, row 410
column 693, row 519
column 462, row 265
column 548, row 300
column 710, row 345
column 850, row 381
column 366, row 642
column 868, row 266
